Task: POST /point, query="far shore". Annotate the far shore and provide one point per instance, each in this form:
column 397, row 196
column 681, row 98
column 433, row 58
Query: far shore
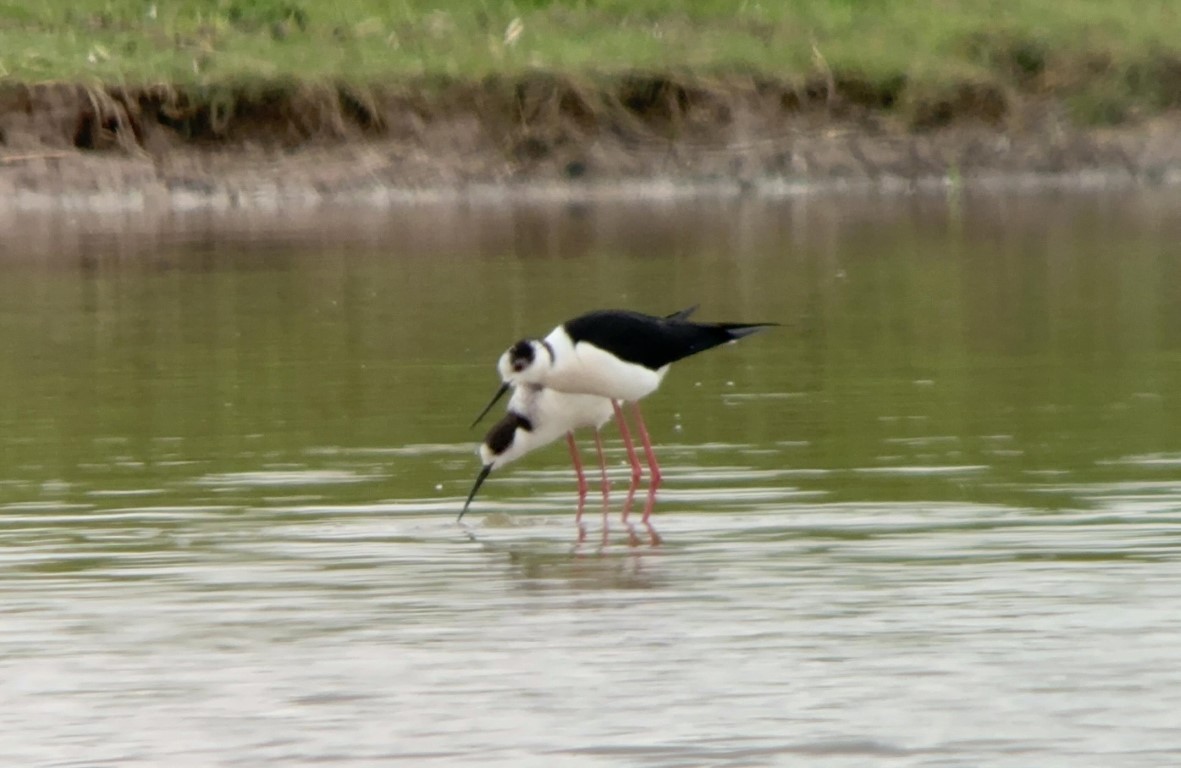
column 67, row 148
column 390, row 173
column 123, row 104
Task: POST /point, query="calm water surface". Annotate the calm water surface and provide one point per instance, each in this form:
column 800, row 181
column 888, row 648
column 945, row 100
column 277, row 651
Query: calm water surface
column 933, row 520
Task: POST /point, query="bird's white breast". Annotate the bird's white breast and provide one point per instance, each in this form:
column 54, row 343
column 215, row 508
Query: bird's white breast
column 583, row 368
column 551, row 414
column 571, row 411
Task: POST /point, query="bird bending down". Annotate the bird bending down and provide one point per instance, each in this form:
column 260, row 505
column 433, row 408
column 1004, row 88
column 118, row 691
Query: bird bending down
column 536, row 417
column 616, row 354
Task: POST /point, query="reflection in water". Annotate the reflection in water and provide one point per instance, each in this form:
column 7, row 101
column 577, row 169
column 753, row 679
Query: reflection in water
column 931, row 521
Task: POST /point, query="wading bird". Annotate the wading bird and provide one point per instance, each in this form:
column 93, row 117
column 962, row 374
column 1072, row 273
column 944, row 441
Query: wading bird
column 616, row 354
column 536, row 417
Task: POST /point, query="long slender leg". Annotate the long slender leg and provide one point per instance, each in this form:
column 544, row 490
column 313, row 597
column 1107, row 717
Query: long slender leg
column 637, row 471
column 653, row 466
column 581, row 479
column 606, row 483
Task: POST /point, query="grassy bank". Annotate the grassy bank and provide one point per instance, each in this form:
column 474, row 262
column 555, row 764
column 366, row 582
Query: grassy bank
column 1107, row 60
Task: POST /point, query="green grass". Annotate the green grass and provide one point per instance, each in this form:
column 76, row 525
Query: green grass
column 1108, row 59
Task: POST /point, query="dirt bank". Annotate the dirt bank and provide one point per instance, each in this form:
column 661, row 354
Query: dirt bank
column 65, row 145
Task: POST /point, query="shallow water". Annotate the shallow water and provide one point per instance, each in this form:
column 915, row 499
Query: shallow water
column 933, row 520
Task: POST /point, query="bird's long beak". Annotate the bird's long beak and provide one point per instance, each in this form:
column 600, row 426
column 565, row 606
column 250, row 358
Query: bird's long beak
column 499, row 394
column 479, row 481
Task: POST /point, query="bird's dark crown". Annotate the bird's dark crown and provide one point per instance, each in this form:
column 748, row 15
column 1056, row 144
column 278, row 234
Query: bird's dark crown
column 500, row 437
column 521, row 355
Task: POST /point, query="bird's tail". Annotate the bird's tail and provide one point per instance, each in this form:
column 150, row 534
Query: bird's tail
column 708, row 335
column 736, row 331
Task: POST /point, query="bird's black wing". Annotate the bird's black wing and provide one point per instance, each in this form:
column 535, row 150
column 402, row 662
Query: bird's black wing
column 652, row 342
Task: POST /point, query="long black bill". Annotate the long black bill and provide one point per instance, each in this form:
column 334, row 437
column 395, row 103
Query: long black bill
column 499, row 394
column 479, row 481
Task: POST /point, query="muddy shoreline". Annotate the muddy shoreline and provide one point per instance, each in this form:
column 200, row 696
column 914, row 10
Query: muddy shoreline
column 69, row 147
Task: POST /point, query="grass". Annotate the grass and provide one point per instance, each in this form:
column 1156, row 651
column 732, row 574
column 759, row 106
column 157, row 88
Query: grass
column 1109, row 60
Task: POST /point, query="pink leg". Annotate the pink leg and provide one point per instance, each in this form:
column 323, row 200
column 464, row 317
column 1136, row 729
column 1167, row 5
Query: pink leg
column 606, row 484
column 653, row 536
column 637, row 471
column 581, row 479
column 653, row 467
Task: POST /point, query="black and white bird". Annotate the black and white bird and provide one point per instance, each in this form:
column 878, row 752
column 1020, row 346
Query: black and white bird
column 536, row 417
column 617, row 354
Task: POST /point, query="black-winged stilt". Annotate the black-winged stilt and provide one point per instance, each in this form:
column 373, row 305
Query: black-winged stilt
column 536, row 417
column 617, row 354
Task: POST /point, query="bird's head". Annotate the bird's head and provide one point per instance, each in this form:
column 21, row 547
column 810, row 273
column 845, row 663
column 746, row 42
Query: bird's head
column 508, row 440
column 524, row 363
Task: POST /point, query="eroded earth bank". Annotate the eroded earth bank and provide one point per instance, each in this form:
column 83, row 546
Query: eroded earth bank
column 78, row 146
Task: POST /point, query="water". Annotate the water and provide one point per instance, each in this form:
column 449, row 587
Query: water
column 930, row 521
